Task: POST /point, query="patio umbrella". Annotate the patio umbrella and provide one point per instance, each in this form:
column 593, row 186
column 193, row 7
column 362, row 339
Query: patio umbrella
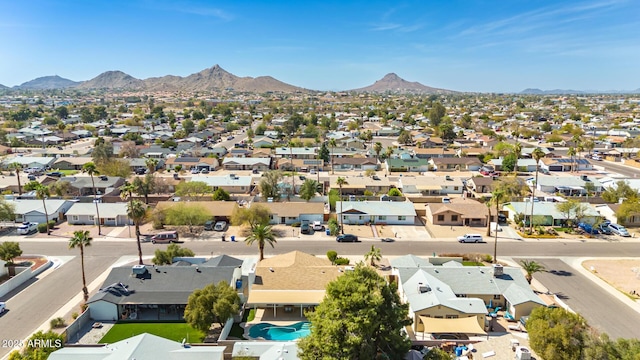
column 413, row 355
column 490, row 304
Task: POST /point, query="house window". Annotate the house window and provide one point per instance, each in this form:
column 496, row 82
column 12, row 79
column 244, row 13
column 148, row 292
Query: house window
column 75, row 218
column 360, row 217
column 461, row 295
column 455, row 188
column 454, row 217
column 91, row 217
column 452, row 316
column 402, row 218
column 382, row 217
column 496, row 297
column 111, row 219
column 440, row 217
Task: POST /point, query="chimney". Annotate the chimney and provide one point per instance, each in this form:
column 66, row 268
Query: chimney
column 498, row 270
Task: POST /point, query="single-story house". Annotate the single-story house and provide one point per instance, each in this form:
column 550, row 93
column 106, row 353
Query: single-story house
column 189, row 163
column 141, row 347
column 82, row 185
column 564, row 164
column 357, row 185
column 300, row 165
column 296, row 152
column 431, row 152
column 407, row 165
column 355, row 164
column 71, row 163
column 526, row 165
column 233, row 184
column 288, row 213
column 263, row 142
column 239, row 163
column 111, row 214
column 376, row 212
column 144, row 292
column 566, row 185
column 30, row 162
column 480, row 186
column 459, row 212
column 430, row 185
column 456, row 163
column 546, row 213
column 33, row 210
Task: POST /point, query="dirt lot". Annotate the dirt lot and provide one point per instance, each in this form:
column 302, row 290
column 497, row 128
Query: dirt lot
column 622, row 274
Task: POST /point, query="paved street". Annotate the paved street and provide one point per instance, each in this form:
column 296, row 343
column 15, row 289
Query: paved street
column 39, row 301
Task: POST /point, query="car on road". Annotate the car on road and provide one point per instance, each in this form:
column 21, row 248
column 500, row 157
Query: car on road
column 619, row 230
column 27, row 228
column 166, row 237
column 502, row 218
column 3, row 307
column 470, row 238
column 55, row 174
column 230, row 137
column 220, row 226
column 347, row 238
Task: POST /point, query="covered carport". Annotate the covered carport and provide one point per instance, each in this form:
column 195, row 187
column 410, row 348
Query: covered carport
column 465, row 325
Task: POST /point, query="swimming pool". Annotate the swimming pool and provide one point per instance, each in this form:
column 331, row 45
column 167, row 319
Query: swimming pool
column 269, row 331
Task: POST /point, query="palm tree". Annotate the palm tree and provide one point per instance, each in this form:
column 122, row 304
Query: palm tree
column 62, row 126
column 17, row 167
column 517, row 149
column 497, row 197
column 571, row 152
column 537, row 154
column 333, row 144
column 261, row 233
column 81, row 239
column 137, row 211
column 373, row 255
column 42, row 192
column 341, row 181
column 377, row 147
column 531, row 267
column 91, row 169
column 293, row 169
column 151, row 164
column 126, row 191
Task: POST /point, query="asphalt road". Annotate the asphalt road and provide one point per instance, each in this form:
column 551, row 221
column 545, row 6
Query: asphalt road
column 29, row 308
column 601, row 309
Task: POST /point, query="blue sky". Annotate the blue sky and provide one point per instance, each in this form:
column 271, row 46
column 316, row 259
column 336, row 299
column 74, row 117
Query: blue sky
column 473, row 45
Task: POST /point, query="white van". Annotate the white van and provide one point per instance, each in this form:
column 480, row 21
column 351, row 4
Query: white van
column 470, row 238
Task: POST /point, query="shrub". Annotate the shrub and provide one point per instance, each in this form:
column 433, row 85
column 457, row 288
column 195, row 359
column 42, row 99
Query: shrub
column 342, row 261
column 74, row 315
column 487, row 258
column 52, row 224
column 42, row 228
column 332, row 255
column 295, row 224
column 334, row 227
column 57, row 323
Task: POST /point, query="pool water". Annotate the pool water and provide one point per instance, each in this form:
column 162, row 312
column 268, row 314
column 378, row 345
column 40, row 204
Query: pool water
column 269, row 331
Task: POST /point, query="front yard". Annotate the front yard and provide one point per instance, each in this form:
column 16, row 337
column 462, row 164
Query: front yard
column 175, row 331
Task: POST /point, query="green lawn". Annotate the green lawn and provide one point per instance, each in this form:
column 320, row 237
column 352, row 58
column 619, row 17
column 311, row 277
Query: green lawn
column 69, row 172
column 472, row 263
column 172, row 331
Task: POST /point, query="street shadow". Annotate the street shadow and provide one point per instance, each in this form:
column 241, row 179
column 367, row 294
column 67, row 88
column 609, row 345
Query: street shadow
column 561, row 296
column 560, row 272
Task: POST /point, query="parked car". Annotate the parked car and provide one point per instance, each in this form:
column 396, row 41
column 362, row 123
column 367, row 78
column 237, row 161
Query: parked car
column 619, row 230
column 304, row 227
column 209, row 225
column 502, row 218
column 347, row 238
column 141, row 171
column 470, row 238
column 27, row 228
column 3, row 307
column 55, row 174
column 204, row 171
column 588, row 228
column 317, row 226
column 596, row 157
column 220, row 226
column 165, row 237
column 388, row 240
column 31, row 177
column 195, row 171
column 605, row 229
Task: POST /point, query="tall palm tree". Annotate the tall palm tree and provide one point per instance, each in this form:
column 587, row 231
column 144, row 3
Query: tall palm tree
column 91, row 169
column 377, row 147
column 293, row 169
column 17, row 167
column 537, row 154
column 531, row 267
column 571, row 152
column 137, row 211
column 42, row 192
column 126, row 191
column 341, row 181
column 373, row 255
column 517, row 149
column 333, row 145
column 151, row 164
column 261, row 233
column 81, row 239
column 497, row 197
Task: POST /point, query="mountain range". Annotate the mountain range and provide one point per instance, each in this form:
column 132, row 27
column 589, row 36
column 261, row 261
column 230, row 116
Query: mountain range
column 214, row 78
column 569, row 92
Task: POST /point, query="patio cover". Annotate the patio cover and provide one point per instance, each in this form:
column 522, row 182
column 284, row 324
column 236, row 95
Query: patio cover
column 284, row 297
column 466, row 325
column 428, row 187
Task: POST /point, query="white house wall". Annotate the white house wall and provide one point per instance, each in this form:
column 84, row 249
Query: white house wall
column 359, row 219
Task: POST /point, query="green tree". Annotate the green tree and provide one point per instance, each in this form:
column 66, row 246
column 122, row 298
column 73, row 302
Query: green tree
column 621, row 190
column 61, row 188
column 261, row 234
column 308, row 189
column 17, row 167
column 151, row 165
column 446, row 130
column 341, row 182
column 253, row 216
column 221, row 195
column 531, row 267
column 405, row 138
column 394, row 192
column 509, row 162
column 437, row 354
column 572, row 153
column 436, row 113
column 81, row 239
column 137, row 212
column 214, row 303
column 42, row 193
column 269, row 185
column 193, row 189
column 361, row 317
column 91, row 169
column 188, row 126
column 185, row 214
column 568, row 209
column 627, row 209
column 7, row 211
column 374, row 254
column 9, row 250
column 102, row 151
column 39, row 346
column 377, row 148
column 173, row 251
column 537, row 154
column 557, row 334
column 145, row 186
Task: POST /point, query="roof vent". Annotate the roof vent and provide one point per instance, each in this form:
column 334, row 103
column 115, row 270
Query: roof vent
column 139, row 269
column 498, row 270
column 422, row 288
